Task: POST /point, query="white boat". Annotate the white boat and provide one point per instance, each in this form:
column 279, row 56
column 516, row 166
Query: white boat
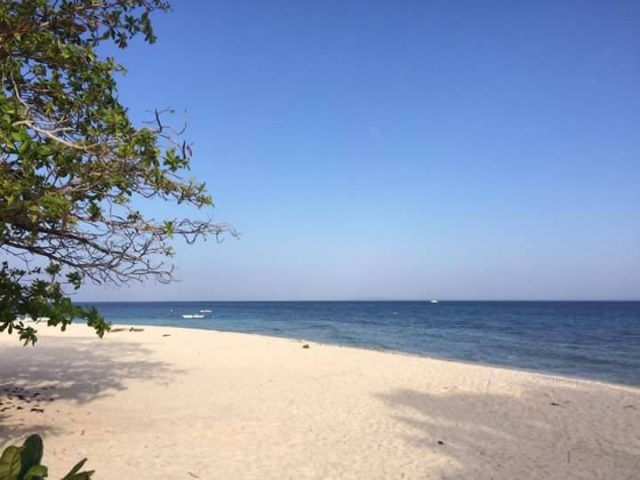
column 434, row 301
column 188, row 316
column 205, row 311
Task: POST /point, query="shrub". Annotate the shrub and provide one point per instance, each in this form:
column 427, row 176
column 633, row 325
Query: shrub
column 23, row 463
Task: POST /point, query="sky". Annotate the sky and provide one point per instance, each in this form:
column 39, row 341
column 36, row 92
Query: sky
column 377, row 150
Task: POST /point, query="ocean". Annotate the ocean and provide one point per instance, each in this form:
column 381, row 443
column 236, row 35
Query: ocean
column 593, row 340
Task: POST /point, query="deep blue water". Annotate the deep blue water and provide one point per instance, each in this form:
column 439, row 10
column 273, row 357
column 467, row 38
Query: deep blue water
column 596, row 340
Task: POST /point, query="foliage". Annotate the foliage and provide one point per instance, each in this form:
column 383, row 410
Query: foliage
column 74, row 170
column 23, row 463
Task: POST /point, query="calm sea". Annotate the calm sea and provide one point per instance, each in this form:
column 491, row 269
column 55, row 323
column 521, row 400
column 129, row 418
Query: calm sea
column 596, row 340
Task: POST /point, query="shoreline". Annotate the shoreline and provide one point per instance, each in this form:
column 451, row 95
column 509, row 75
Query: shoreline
column 403, row 353
column 177, row 402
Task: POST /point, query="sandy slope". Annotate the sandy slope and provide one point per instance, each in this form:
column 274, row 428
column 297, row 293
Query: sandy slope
column 209, row 405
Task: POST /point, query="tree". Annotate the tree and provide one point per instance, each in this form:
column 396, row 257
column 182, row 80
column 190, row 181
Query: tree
column 73, row 167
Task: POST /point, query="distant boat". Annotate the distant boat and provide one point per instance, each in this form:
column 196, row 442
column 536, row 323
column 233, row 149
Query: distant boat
column 205, row 311
column 434, row 301
column 192, row 316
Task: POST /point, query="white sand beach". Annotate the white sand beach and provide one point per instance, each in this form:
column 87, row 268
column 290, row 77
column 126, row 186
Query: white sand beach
column 169, row 403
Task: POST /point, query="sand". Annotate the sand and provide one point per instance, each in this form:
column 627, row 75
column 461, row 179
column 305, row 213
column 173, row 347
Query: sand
column 169, row 403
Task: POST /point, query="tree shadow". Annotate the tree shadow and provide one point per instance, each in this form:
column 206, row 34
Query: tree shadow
column 80, row 370
column 14, row 432
column 536, row 433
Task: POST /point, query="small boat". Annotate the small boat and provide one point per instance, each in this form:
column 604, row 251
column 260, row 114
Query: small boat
column 434, row 301
column 188, row 316
column 205, row 311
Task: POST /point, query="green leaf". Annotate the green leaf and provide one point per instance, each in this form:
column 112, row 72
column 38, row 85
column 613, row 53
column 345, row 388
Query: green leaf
column 81, row 476
column 53, row 268
column 10, row 463
column 30, row 453
column 37, row 472
column 75, row 473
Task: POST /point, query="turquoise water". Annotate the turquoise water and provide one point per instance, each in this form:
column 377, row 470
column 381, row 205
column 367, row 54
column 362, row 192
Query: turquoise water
column 595, row 340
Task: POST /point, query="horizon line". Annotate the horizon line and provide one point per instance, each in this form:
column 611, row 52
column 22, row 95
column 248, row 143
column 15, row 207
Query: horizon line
column 358, row 300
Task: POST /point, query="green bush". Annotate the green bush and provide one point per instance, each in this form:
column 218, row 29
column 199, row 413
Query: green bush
column 23, row 463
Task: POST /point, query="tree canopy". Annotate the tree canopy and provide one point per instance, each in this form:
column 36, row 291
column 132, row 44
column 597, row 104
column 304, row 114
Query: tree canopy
column 73, row 165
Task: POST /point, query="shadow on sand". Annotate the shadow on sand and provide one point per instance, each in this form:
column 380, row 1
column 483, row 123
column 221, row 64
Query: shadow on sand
column 537, row 433
column 76, row 369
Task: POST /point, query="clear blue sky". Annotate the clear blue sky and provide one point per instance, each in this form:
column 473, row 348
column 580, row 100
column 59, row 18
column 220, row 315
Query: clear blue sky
column 403, row 150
